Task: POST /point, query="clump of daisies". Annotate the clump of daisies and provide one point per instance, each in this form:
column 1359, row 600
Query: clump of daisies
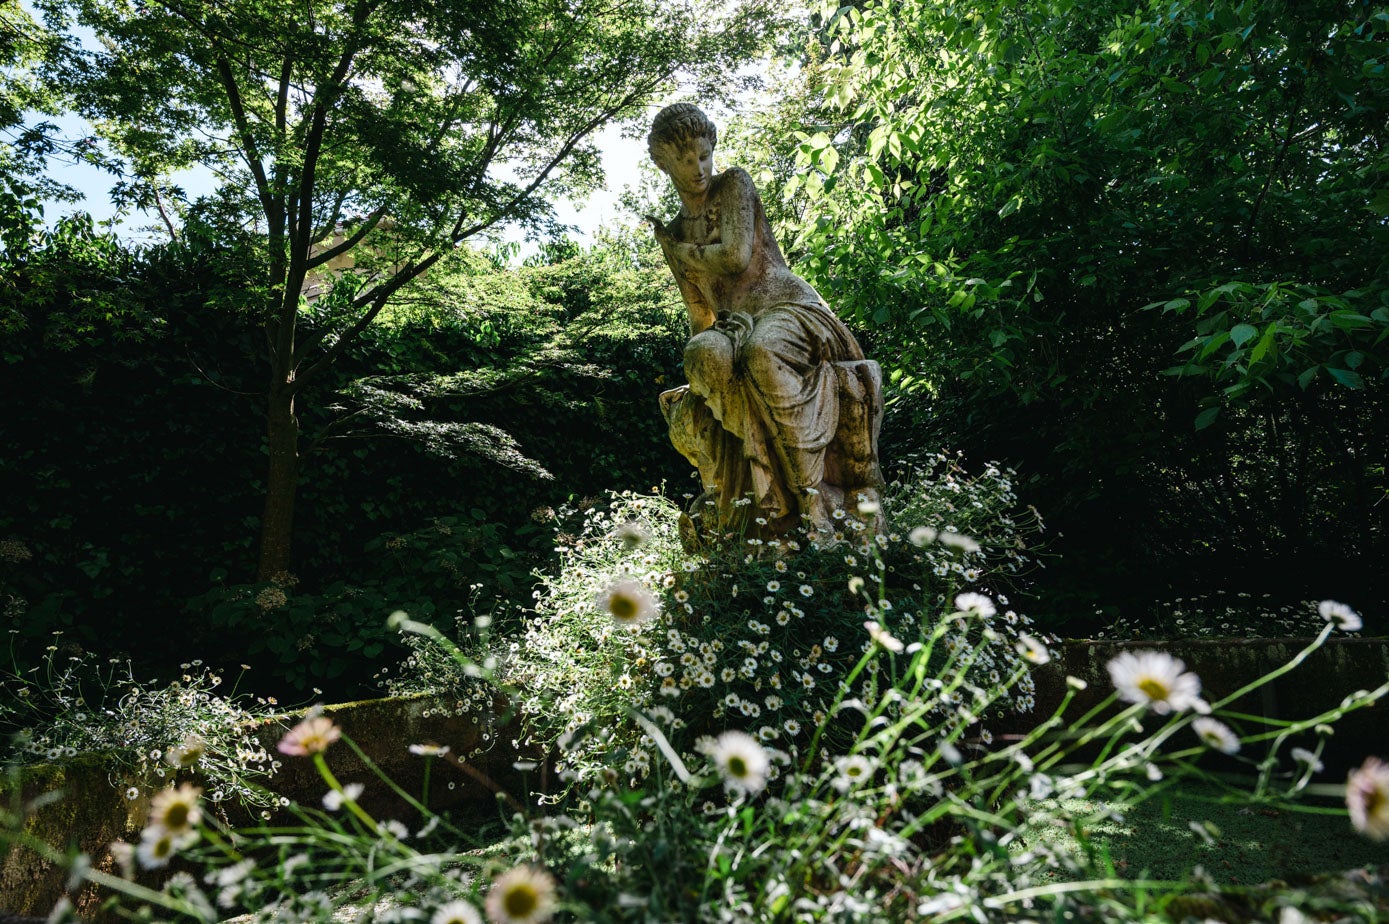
column 764, row 636
column 148, row 731
column 1226, row 614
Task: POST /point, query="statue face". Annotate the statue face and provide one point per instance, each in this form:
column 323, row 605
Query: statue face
column 690, row 166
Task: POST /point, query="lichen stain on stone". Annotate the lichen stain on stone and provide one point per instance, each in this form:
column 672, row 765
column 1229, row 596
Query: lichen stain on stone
column 72, row 805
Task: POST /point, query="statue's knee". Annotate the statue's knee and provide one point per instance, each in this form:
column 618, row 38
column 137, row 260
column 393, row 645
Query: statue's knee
column 708, row 361
column 761, row 362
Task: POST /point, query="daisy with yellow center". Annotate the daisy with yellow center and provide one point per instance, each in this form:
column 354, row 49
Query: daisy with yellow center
column 1216, row 735
column 628, row 602
column 523, row 895
column 1031, row 650
column 459, row 912
column 741, row 761
column 853, row 771
column 176, row 810
column 187, row 753
column 1157, row 680
column 157, row 847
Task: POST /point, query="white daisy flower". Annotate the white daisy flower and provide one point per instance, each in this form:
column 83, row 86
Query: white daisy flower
column 187, row 753
column 741, row 761
column 1307, row 759
column 333, row 799
column 853, row 771
column 882, row 637
column 958, row 541
column 459, row 912
column 1031, row 650
column 922, row 535
column 429, row 750
column 521, row 895
column 176, row 810
column 976, row 604
column 1157, row 680
column 157, row 847
column 628, row 602
column 631, row 536
column 1216, row 735
column 1342, row 616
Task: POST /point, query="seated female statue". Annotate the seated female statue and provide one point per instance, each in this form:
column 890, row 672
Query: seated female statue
column 782, row 411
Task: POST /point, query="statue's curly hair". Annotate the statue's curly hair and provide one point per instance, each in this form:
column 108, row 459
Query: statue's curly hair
column 678, row 124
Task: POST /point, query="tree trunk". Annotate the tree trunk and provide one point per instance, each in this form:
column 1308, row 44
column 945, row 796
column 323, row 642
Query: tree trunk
column 282, row 483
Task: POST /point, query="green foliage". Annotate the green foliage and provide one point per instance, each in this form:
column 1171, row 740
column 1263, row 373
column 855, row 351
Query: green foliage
column 336, row 635
column 1279, row 336
column 369, row 137
column 141, row 454
column 995, row 192
column 894, row 811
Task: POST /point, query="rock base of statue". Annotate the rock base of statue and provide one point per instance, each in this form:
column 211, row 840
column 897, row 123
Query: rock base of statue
column 747, row 493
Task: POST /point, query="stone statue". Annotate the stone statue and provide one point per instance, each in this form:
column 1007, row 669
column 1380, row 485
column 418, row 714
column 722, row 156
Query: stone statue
column 782, row 412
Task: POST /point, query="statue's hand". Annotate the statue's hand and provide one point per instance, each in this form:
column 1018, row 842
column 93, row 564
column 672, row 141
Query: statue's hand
column 663, row 235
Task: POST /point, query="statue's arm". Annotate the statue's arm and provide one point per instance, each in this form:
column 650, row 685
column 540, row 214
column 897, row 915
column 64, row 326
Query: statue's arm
column 701, row 314
column 737, row 214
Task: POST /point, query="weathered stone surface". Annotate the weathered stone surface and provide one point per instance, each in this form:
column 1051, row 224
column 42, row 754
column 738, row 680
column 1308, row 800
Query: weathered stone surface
column 782, row 411
column 73, row 806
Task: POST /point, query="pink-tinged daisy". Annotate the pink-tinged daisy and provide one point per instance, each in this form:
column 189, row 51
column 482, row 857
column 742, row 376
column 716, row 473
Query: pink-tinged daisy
column 311, row 736
column 1367, row 798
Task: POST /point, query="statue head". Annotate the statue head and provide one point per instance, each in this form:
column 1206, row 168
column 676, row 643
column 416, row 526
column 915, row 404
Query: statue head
column 676, row 127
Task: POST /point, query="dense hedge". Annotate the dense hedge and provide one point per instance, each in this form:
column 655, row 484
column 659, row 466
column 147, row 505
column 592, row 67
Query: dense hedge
column 135, row 462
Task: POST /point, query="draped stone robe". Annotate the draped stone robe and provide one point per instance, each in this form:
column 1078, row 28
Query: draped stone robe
column 782, row 411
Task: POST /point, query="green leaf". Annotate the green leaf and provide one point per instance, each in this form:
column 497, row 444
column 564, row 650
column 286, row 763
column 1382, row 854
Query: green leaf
column 1306, row 377
column 1347, row 378
column 1264, row 345
column 1207, row 417
column 1242, row 333
column 1380, row 203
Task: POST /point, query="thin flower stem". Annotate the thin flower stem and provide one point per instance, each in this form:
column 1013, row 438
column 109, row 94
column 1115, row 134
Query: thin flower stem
column 1277, row 671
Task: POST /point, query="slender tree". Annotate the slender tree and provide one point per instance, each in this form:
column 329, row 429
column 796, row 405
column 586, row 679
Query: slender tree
column 382, row 132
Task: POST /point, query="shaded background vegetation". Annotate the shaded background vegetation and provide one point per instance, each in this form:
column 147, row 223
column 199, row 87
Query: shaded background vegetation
column 1137, row 252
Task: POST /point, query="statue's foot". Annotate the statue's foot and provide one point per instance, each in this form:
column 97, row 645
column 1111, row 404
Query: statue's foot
column 689, row 534
column 815, row 515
